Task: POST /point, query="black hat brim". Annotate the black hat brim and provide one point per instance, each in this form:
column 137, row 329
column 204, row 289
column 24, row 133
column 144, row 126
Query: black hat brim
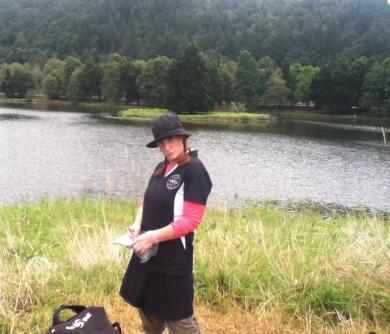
column 178, row 132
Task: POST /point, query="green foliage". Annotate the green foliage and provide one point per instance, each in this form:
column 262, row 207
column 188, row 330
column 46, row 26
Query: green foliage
column 339, row 87
column 120, row 79
column 303, row 77
column 52, row 86
column 305, row 32
column 74, row 92
column 189, row 83
column 71, row 64
column 91, row 75
column 130, row 72
column 52, row 83
column 277, row 91
column 247, row 81
column 17, row 80
column 377, row 87
column 227, row 73
column 153, row 82
column 112, row 87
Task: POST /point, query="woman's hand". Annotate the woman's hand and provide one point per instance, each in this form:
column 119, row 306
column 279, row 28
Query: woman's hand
column 145, row 241
column 134, row 230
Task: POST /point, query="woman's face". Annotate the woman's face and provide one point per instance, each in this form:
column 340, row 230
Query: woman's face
column 172, row 147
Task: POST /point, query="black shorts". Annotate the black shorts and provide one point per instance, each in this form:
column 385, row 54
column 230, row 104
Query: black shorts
column 167, row 297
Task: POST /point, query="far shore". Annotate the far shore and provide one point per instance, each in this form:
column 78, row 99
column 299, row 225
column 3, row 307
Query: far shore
column 142, row 114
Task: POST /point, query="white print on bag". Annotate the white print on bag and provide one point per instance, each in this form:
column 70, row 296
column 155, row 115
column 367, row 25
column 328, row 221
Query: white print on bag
column 79, row 323
column 173, row 182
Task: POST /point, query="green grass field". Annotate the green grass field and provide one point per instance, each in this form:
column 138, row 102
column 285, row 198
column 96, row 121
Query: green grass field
column 318, row 274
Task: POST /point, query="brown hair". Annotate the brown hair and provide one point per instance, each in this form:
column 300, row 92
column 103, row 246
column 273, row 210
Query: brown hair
column 183, row 159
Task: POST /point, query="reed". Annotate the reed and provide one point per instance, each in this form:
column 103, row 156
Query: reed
column 256, row 267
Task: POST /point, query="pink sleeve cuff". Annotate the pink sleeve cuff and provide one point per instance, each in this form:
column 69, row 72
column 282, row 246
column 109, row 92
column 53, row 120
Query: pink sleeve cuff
column 190, row 220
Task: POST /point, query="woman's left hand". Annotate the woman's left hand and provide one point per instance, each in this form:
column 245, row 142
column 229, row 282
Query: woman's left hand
column 145, row 241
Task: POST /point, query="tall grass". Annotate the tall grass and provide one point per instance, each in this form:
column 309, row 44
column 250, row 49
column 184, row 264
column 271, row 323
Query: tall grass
column 315, row 274
column 267, row 259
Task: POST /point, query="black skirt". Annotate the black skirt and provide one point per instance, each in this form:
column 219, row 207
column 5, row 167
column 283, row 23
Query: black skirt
column 167, row 297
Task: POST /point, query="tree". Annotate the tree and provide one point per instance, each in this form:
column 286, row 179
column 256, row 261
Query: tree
column 188, row 83
column 226, row 73
column 52, row 87
column 74, row 87
column 129, row 79
column 153, row 82
column 17, row 80
column 303, row 77
column 215, row 82
column 247, row 81
column 112, row 87
column 376, row 87
column 53, row 74
column 71, row 64
column 276, row 91
column 91, row 75
column 339, row 86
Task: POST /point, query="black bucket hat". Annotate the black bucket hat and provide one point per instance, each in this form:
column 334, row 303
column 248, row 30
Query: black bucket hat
column 165, row 126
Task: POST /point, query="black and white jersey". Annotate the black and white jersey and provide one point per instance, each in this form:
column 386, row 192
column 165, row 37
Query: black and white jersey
column 163, row 203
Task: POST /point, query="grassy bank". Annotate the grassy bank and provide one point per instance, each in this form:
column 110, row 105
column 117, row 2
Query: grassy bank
column 358, row 119
column 258, row 269
column 145, row 114
column 208, row 117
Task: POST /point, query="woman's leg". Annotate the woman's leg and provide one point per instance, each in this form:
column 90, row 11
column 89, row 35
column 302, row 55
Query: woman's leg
column 150, row 324
column 184, row 326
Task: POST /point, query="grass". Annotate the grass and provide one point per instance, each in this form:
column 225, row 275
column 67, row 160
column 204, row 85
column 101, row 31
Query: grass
column 211, row 116
column 258, row 269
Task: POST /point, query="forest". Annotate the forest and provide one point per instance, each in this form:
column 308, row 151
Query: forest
column 331, row 53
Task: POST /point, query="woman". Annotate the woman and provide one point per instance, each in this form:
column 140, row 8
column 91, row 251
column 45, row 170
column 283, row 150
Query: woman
column 159, row 278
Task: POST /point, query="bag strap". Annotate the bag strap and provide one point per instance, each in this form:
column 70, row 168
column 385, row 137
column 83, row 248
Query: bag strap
column 117, row 327
column 74, row 308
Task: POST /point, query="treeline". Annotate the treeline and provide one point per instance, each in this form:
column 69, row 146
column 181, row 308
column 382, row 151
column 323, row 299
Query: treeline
column 308, row 32
column 197, row 82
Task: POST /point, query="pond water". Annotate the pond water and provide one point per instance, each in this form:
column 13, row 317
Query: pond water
column 63, row 154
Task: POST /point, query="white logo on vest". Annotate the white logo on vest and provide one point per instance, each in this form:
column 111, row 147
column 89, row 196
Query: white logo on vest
column 173, row 182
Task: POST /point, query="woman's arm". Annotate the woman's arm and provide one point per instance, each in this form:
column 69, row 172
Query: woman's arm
column 188, row 222
column 135, row 228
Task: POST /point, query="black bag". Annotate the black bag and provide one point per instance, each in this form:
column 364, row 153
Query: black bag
column 88, row 320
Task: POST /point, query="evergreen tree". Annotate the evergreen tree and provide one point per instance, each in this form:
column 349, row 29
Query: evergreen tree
column 188, row 83
column 247, row 81
column 227, row 75
column 112, row 83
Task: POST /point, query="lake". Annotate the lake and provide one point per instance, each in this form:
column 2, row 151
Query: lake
column 63, row 154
